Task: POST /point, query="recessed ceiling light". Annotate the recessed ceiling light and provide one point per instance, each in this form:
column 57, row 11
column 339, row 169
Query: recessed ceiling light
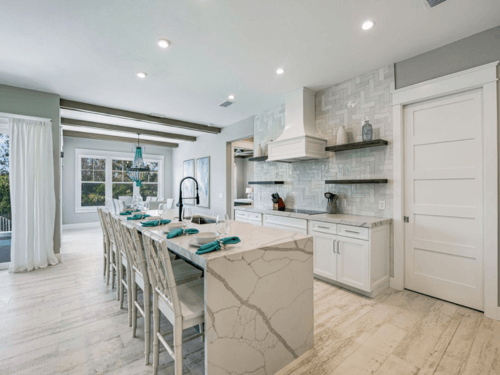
column 280, row 71
column 141, row 75
column 367, row 25
column 163, row 43
column 231, row 97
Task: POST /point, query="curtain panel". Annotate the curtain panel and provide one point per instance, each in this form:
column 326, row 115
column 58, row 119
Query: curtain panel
column 32, row 195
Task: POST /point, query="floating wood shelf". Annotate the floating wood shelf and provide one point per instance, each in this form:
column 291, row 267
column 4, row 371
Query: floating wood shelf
column 266, row 182
column 372, row 181
column 258, row 158
column 357, row 145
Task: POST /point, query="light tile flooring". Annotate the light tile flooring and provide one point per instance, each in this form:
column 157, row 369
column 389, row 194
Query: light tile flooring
column 65, row 320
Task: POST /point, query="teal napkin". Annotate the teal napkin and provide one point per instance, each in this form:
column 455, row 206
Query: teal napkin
column 214, row 246
column 154, row 223
column 138, row 217
column 126, row 213
column 179, row 232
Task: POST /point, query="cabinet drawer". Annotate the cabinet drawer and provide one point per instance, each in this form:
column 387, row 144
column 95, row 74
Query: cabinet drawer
column 240, row 215
column 254, row 216
column 286, row 221
column 353, row 232
column 318, row 226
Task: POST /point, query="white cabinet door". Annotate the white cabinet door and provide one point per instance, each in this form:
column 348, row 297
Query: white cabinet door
column 325, row 257
column 353, row 262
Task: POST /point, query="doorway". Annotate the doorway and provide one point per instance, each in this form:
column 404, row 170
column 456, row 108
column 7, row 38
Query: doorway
column 444, row 198
column 446, row 188
column 240, row 170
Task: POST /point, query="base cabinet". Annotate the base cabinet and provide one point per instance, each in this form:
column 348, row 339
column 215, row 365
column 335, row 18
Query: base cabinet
column 361, row 263
column 325, row 256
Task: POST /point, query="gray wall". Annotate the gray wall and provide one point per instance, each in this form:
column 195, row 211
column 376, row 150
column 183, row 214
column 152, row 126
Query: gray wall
column 39, row 104
column 476, row 50
column 68, row 186
column 467, row 53
column 244, row 174
column 214, row 146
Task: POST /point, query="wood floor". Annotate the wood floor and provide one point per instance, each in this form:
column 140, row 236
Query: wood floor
column 65, row 320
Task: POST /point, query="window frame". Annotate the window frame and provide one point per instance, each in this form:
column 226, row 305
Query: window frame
column 108, row 181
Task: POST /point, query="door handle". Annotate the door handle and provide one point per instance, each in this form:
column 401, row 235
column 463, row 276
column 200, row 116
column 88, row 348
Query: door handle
column 334, row 245
column 338, row 247
column 351, row 231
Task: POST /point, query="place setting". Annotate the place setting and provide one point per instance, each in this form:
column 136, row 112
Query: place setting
column 207, row 242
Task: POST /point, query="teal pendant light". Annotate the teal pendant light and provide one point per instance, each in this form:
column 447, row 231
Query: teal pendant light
column 139, row 170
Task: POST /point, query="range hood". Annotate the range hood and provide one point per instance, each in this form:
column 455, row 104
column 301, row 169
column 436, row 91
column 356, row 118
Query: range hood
column 300, row 139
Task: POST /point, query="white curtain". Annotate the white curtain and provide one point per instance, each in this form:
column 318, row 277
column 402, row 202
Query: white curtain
column 32, row 195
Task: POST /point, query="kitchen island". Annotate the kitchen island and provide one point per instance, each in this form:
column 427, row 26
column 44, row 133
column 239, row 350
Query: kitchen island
column 258, row 297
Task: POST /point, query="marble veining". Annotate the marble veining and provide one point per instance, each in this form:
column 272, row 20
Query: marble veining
column 258, row 297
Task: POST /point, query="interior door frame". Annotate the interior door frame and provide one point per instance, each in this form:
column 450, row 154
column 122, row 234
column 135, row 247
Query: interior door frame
column 485, row 78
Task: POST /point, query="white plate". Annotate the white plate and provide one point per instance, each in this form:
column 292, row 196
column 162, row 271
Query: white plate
column 194, row 243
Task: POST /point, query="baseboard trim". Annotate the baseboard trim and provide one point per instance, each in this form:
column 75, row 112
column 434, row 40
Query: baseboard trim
column 372, row 294
column 81, row 225
column 4, row 266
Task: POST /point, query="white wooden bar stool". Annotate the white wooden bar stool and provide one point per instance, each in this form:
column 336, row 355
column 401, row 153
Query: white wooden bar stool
column 140, row 278
column 182, row 305
column 112, row 257
column 124, row 267
column 105, row 245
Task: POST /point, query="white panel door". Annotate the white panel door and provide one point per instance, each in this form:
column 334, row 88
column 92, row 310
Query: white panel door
column 443, row 198
column 325, row 256
column 353, row 262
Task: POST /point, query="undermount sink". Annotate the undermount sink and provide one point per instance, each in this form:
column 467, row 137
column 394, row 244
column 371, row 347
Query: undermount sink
column 199, row 219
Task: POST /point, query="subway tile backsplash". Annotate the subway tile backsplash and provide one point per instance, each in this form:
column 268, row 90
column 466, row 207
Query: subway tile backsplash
column 347, row 104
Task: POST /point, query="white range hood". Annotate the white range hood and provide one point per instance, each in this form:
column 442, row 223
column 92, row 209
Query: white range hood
column 300, row 139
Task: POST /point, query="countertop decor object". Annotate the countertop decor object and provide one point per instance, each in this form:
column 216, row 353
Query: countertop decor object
column 249, row 192
column 216, row 245
column 181, row 231
column 358, row 145
column 367, row 130
column 342, row 136
column 258, row 151
column 331, row 205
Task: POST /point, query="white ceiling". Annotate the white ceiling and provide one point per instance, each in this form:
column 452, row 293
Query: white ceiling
column 90, row 50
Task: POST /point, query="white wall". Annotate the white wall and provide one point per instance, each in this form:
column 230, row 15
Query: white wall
column 213, row 145
column 68, row 175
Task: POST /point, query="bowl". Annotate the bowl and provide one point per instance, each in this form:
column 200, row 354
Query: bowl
column 174, row 225
column 205, row 237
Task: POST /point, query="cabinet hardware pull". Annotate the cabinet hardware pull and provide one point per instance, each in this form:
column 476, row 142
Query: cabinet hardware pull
column 338, row 247
column 334, row 245
column 350, row 231
column 323, row 227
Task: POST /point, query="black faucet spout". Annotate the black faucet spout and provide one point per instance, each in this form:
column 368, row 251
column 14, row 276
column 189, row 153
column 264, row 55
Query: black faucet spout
column 197, row 198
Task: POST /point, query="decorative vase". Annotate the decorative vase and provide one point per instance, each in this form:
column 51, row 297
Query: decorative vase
column 367, row 131
column 342, row 136
column 258, row 151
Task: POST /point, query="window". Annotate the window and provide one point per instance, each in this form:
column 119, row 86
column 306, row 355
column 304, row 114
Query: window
column 149, row 187
column 93, row 185
column 122, row 184
column 103, row 174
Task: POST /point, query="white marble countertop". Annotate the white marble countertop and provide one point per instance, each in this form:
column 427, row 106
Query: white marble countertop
column 252, row 237
column 354, row 220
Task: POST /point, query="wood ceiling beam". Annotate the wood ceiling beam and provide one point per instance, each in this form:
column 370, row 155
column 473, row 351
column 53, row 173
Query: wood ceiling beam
column 120, row 113
column 104, row 137
column 99, row 125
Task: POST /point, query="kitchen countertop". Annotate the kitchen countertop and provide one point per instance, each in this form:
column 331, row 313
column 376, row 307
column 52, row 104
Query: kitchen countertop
column 259, row 296
column 354, row 220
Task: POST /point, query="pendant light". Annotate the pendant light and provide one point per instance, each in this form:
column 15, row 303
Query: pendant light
column 139, row 170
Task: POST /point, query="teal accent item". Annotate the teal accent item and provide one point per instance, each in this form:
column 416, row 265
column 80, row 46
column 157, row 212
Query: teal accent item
column 214, row 246
column 138, row 217
column 138, row 183
column 179, row 232
column 154, row 223
column 126, row 213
